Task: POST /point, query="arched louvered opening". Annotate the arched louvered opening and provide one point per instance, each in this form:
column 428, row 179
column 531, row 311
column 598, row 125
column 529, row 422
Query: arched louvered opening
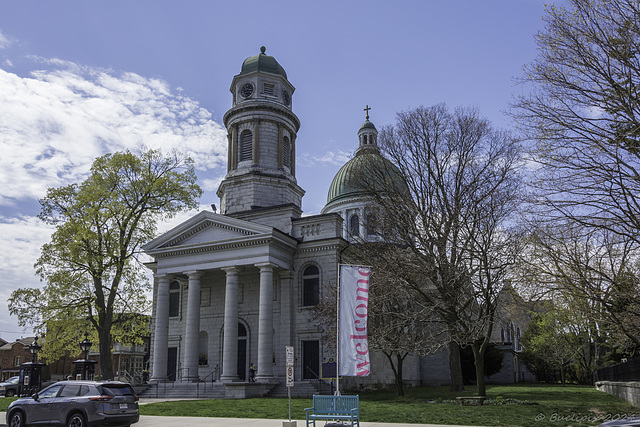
column 246, row 146
column 286, row 152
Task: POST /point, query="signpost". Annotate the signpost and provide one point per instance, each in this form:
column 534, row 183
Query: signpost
column 289, row 366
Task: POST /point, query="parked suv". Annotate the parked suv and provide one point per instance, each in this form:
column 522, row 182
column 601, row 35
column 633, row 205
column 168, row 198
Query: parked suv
column 9, row 387
column 77, row 404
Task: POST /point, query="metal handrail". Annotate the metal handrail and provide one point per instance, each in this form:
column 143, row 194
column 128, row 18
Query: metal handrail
column 308, row 369
column 204, row 381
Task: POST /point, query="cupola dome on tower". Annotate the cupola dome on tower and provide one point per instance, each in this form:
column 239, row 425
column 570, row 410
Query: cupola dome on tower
column 367, row 125
column 262, row 62
column 368, row 171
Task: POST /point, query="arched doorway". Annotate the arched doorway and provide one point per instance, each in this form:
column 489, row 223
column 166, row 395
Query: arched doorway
column 242, row 352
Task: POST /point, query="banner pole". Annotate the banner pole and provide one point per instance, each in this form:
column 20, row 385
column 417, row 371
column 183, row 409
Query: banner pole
column 337, row 392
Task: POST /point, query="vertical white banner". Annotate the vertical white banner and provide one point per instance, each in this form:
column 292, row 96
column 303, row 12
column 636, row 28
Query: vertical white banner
column 354, row 309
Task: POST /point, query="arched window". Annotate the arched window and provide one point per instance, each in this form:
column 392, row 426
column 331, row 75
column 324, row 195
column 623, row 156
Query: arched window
column 372, row 225
column 354, row 225
column 310, row 286
column 246, row 146
column 203, row 348
column 174, row 299
column 286, row 152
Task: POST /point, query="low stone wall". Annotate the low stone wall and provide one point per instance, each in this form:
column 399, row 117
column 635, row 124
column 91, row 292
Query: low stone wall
column 626, row 390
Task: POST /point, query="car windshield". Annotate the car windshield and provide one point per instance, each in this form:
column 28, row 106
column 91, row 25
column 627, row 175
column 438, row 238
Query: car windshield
column 13, row 380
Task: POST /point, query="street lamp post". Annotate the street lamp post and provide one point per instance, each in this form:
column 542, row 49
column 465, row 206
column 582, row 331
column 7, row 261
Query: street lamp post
column 85, row 346
column 85, row 367
column 31, row 371
column 34, row 348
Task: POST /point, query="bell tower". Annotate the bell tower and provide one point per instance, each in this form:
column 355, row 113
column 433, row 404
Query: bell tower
column 261, row 132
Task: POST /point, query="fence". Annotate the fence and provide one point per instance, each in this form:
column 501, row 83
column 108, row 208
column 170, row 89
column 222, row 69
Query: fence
column 627, row 371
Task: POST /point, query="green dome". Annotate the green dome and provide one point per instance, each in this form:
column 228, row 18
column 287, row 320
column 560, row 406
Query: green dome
column 367, row 125
column 262, row 62
column 347, row 183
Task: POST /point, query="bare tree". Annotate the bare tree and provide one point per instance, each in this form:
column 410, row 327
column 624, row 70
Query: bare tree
column 581, row 105
column 398, row 324
column 401, row 324
column 450, row 190
column 593, row 273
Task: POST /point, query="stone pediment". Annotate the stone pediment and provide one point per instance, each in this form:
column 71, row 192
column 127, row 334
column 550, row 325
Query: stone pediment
column 204, row 228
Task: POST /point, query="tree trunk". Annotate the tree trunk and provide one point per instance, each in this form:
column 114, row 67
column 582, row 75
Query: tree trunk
column 478, row 361
column 106, row 364
column 399, row 387
column 397, row 370
column 455, row 367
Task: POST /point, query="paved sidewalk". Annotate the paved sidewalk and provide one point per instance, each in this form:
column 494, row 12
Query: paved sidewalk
column 153, row 421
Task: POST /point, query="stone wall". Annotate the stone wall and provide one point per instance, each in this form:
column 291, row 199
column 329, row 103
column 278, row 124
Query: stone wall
column 626, row 390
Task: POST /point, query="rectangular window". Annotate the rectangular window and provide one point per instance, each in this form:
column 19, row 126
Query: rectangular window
column 174, row 304
column 16, row 361
column 269, row 89
column 311, row 291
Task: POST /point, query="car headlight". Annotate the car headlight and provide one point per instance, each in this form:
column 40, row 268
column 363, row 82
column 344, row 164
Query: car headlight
column 2, row 388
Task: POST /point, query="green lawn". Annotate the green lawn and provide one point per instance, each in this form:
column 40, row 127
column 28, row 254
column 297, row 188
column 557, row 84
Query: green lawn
column 512, row 405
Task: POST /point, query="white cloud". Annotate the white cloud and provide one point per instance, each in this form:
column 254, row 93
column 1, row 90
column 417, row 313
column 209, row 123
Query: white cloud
column 4, row 41
column 22, row 237
column 55, row 122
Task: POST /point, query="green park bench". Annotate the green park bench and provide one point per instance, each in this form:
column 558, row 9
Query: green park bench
column 345, row 408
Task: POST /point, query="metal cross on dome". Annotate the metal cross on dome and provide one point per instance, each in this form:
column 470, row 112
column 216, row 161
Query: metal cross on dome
column 367, row 110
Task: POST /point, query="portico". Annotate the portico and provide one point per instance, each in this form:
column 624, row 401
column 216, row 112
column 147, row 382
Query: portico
column 208, row 241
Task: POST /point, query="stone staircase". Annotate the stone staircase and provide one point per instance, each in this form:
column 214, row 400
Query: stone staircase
column 217, row 390
column 184, row 390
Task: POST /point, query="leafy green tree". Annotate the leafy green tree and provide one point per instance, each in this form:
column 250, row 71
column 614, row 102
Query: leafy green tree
column 93, row 277
column 547, row 339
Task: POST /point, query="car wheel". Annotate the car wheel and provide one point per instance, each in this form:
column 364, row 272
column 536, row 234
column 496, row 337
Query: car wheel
column 17, row 419
column 10, row 393
column 76, row 420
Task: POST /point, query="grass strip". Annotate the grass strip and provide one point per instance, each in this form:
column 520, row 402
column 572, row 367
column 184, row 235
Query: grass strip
column 507, row 405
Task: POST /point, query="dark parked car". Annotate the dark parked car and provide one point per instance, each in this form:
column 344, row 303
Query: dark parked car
column 624, row 422
column 9, row 387
column 77, row 404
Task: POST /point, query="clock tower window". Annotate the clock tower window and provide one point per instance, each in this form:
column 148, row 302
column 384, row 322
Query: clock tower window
column 268, row 89
column 286, row 152
column 246, row 146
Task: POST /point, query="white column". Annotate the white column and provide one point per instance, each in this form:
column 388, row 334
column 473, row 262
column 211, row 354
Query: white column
column 230, row 343
column 286, row 319
column 192, row 329
column 161, row 331
column 265, row 324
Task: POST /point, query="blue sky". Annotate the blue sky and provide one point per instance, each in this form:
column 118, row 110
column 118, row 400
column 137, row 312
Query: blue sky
column 79, row 79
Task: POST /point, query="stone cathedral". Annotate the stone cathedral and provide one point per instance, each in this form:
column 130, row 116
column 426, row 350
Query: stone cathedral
column 232, row 289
